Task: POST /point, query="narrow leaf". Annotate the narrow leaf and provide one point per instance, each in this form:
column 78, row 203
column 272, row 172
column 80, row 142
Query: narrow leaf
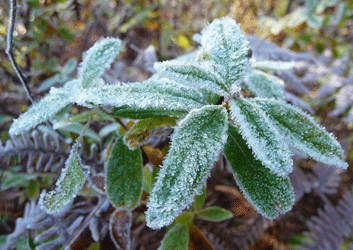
column 197, row 74
column 267, row 145
column 196, row 143
column 272, row 65
column 41, row 111
column 225, row 43
column 71, row 180
column 268, row 193
column 124, row 175
column 77, row 128
column 303, row 133
column 69, row 66
column 120, row 227
column 215, row 214
column 97, row 59
column 139, row 133
column 200, row 199
column 264, row 85
column 177, row 238
column 152, row 95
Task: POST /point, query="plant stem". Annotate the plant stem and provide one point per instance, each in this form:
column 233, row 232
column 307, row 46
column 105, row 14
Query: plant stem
column 9, row 49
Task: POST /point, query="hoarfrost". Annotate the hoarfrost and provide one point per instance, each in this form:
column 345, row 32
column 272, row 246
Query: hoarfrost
column 302, row 132
column 97, row 59
column 264, row 85
column 268, row 146
column 196, row 143
column 226, row 44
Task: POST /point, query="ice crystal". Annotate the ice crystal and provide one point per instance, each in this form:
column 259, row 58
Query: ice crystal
column 226, row 44
column 265, row 141
column 97, row 59
column 302, row 132
column 264, row 85
column 41, row 111
column 197, row 74
column 196, row 143
column 71, row 180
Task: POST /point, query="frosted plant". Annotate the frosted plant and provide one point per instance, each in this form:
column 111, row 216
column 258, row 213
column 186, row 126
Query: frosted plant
column 202, row 98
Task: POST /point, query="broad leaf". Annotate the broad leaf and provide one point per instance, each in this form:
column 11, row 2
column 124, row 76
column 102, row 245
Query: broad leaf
column 97, row 59
column 215, row 214
column 71, row 180
column 120, row 227
column 303, row 133
column 272, row 65
column 196, row 74
column 225, row 43
column 139, row 133
column 262, row 137
column 196, row 143
column 264, row 85
column 41, row 111
column 177, row 238
column 160, row 95
column 124, row 175
column 268, row 193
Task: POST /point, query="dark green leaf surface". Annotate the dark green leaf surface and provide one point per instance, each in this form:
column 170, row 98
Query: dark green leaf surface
column 177, row 238
column 124, row 175
column 268, row 193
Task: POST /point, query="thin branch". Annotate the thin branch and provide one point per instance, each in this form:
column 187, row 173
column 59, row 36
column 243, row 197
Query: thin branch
column 9, row 49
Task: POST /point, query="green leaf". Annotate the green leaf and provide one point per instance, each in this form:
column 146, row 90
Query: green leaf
column 70, row 182
column 9, row 180
column 97, row 59
column 264, row 85
column 152, row 95
column 84, row 117
column 215, row 214
column 303, row 133
column 268, row 193
column 124, row 175
column 77, row 128
column 200, row 199
column 261, row 135
column 225, row 43
column 41, row 111
column 197, row 74
column 185, row 218
column 69, row 66
column 272, row 65
column 196, row 144
column 139, row 133
column 177, row 238
column 142, row 113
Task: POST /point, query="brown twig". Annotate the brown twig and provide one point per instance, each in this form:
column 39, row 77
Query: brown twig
column 9, row 49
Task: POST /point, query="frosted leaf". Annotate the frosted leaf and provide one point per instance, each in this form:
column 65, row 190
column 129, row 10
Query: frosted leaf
column 196, row 143
column 197, row 74
column 124, row 175
column 69, row 66
column 264, row 85
column 296, row 101
column 261, row 136
column 303, row 133
column 161, row 95
column 139, row 133
column 71, row 180
column 343, row 100
column 269, row 193
column 177, row 238
column 77, row 128
column 97, row 59
column 39, row 112
column 226, row 44
column 272, row 65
